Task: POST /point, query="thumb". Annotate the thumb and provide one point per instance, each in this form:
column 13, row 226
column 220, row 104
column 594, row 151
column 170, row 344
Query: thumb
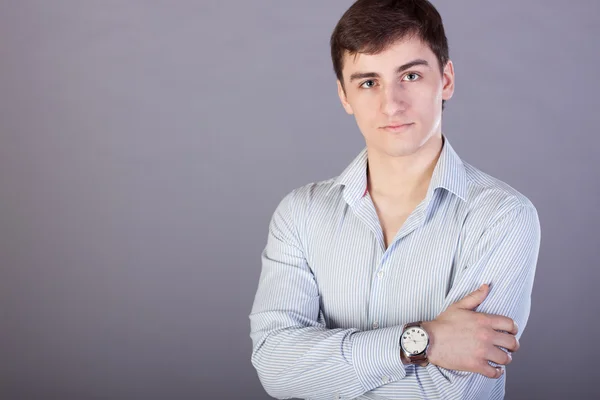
column 472, row 300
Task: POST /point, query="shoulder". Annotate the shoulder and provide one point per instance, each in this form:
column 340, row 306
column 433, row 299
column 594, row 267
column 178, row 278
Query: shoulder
column 314, row 196
column 497, row 213
column 492, row 199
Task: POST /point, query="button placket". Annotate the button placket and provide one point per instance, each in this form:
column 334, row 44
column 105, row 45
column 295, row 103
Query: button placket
column 377, row 290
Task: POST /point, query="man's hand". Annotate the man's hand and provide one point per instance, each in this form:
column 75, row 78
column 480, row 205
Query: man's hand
column 463, row 339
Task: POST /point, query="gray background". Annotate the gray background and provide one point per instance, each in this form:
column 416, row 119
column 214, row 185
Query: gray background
column 145, row 144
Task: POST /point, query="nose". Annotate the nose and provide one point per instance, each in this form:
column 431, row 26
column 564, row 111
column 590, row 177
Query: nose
column 393, row 100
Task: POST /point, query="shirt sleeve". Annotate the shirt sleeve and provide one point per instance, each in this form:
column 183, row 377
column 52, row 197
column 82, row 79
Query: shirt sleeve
column 294, row 354
column 505, row 257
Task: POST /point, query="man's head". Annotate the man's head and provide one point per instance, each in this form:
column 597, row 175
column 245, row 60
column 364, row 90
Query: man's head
column 392, row 64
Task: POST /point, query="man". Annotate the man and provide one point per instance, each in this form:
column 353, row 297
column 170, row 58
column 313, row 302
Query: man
column 368, row 282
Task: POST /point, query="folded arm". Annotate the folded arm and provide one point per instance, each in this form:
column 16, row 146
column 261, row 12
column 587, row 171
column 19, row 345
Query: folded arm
column 295, row 355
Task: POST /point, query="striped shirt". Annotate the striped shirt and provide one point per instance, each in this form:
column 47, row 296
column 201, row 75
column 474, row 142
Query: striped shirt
column 332, row 299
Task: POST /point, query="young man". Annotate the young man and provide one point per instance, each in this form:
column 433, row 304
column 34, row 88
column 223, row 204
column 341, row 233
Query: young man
column 368, row 282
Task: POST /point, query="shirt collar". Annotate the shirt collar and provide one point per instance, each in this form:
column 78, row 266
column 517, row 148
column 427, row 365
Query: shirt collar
column 449, row 173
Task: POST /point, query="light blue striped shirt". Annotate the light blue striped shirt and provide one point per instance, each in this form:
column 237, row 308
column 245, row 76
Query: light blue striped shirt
column 332, row 300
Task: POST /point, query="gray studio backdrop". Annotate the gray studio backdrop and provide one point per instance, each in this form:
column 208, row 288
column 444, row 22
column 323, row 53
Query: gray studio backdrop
column 145, row 144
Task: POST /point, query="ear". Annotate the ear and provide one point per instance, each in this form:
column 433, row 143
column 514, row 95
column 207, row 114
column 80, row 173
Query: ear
column 343, row 98
column 448, row 81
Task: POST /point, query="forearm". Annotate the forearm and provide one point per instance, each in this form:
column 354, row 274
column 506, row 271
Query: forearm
column 294, row 353
column 436, row 382
column 315, row 362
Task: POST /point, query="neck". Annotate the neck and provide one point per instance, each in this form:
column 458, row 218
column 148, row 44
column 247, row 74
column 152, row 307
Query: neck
column 404, row 177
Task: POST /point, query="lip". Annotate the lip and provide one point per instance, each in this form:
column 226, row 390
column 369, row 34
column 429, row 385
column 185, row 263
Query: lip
column 396, row 127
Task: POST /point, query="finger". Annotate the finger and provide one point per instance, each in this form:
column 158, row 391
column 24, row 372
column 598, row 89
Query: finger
column 499, row 356
column 491, row 372
column 506, row 340
column 473, row 299
column 502, row 323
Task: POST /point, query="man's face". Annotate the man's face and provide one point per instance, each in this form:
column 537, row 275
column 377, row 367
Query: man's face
column 396, row 96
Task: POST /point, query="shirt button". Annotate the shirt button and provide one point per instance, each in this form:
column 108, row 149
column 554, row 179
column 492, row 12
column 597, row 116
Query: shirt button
column 385, row 379
column 380, row 274
column 375, row 325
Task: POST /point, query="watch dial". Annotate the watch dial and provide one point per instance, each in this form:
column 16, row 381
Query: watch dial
column 414, row 340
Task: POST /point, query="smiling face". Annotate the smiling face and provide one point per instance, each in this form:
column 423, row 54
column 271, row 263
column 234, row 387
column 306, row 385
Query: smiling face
column 396, row 96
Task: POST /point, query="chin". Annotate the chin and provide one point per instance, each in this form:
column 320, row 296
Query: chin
column 398, row 148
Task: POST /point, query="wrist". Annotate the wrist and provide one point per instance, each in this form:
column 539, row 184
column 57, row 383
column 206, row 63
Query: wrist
column 429, row 327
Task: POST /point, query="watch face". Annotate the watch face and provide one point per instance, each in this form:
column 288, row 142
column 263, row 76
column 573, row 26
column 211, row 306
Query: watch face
column 414, row 340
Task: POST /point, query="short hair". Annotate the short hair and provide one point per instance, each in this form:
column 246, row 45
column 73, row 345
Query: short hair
column 370, row 26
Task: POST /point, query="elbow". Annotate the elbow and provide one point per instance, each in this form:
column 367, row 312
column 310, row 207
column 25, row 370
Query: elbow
column 270, row 378
column 272, row 387
column 273, row 392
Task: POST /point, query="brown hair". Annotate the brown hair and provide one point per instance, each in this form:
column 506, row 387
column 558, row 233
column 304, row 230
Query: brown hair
column 370, row 26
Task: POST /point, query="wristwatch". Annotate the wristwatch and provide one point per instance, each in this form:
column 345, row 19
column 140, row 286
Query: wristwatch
column 414, row 344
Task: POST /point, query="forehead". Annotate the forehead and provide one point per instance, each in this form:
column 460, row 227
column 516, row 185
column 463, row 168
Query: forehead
column 398, row 53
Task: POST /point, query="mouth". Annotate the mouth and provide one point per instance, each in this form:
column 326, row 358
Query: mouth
column 396, row 127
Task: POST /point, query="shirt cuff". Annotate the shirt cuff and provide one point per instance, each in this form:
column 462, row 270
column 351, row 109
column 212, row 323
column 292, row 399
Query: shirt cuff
column 376, row 356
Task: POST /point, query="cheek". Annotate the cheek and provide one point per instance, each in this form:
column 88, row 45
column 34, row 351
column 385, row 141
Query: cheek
column 365, row 109
column 426, row 99
column 424, row 94
column 369, row 105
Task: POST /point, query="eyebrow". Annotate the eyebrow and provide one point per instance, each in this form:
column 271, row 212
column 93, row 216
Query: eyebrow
column 400, row 69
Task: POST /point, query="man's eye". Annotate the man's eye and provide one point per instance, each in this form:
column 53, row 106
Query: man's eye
column 412, row 77
column 368, row 84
